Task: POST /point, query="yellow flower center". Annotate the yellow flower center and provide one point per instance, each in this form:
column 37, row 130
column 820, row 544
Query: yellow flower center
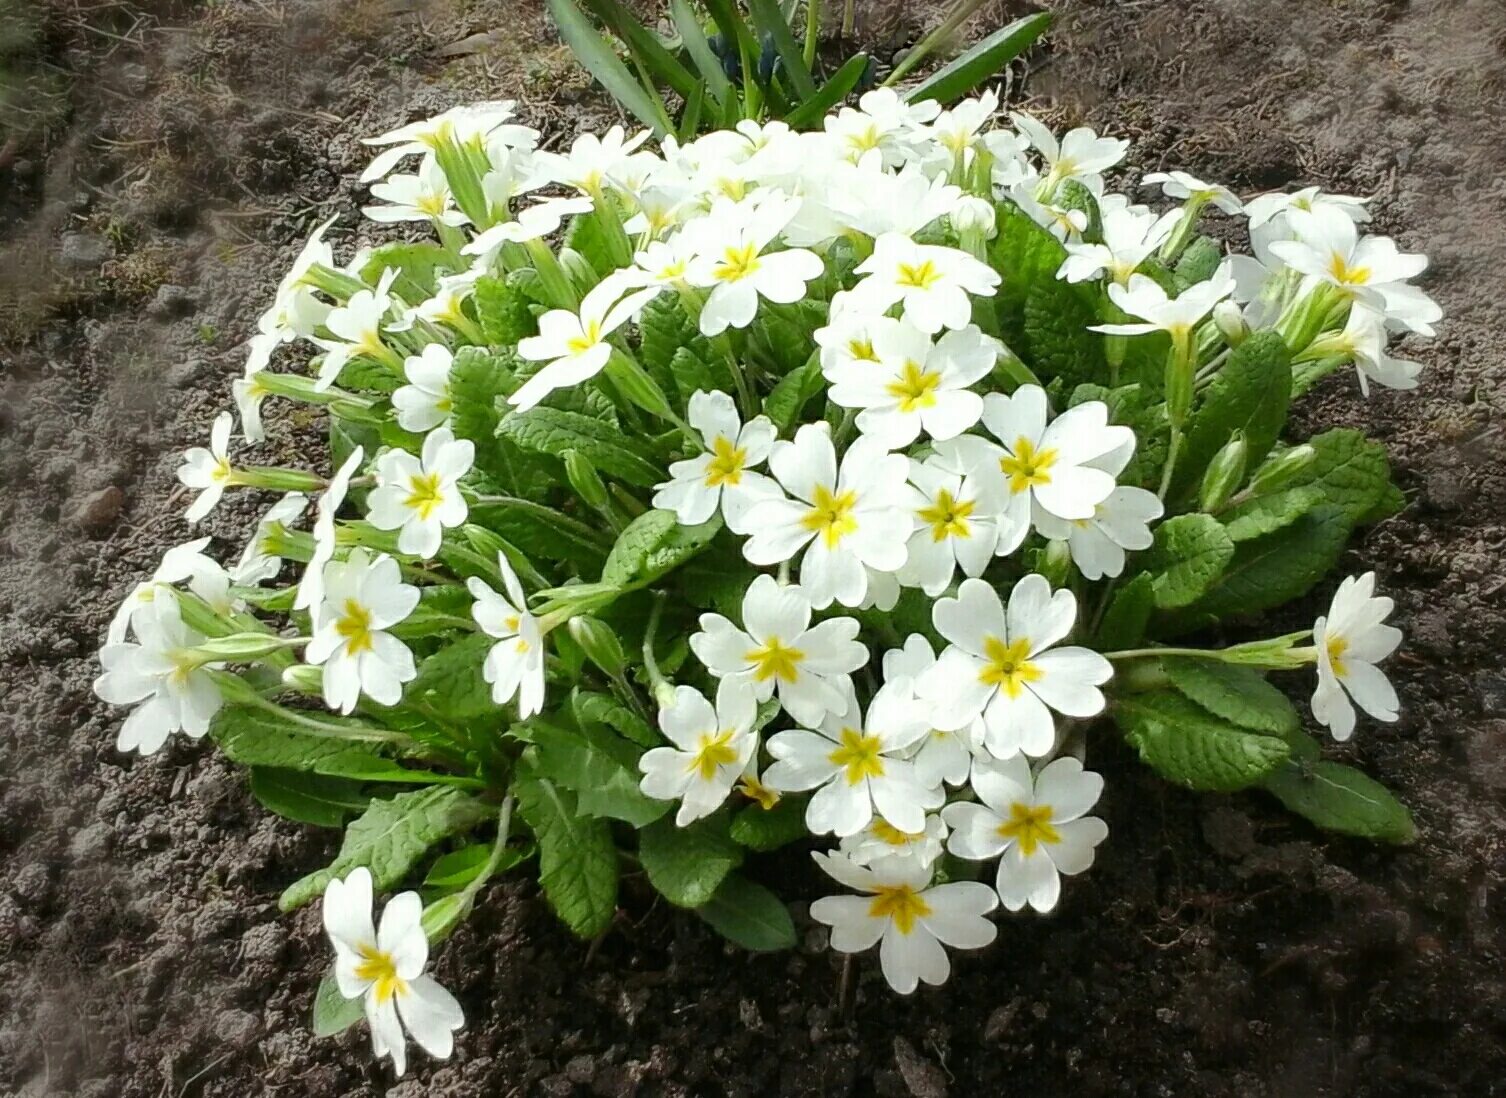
column 732, row 186
column 755, row 790
column 433, row 203
column 355, row 626
column 712, row 753
column 947, row 517
column 859, row 756
column 1009, row 666
column 589, row 337
column 1027, row 467
column 901, row 904
column 424, row 494
column 893, row 836
column 1030, row 827
column 1344, row 274
column 1337, row 646
column 221, row 472
column 378, row 969
column 920, row 276
column 775, row 661
column 831, row 515
column 726, row 467
column 737, row 263
column 862, row 350
column 914, row 388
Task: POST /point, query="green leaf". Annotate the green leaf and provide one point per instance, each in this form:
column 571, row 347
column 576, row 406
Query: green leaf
column 1057, row 341
column 258, row 737
column 1350, row 470
column 836, row 89
column 694, row 39
column 643, row 42
column 1186, row 744
column 544, row 430
column 1073, row 195
column 539, row 536
column 391, row 836
column 589, row 708
column 663, row 328
column 418, row 264
column 1267, row 514
column 1027, row 256
column 503, row 311
column 1239, row 695
column 688, row 864
column 1199, row 261
column 978, row 64
column 788, row 398
column 765, row 829
column 333, row 1012
column 1340, row 798
column 599, row 59
column 1250, row 393
column 577, row 859
column 586, row 237
column 652, row 544
column 600, row 768
column 692, row 373
column 1189, row 554
column 458, row 868
column 767, row 17
column 308, row 798
column 749, row 915
column 1125, row 620
column 451, row 680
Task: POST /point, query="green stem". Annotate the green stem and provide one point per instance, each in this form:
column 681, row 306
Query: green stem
column 1172, row 450
column 578, row 528
column 812, row 31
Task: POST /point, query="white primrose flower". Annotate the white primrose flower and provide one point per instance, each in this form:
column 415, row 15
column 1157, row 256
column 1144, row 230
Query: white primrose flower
column 1081, row 153
column 1097, row 544
column 1363, row 339
column 660, row 208
column 311, row 586
column 385, row 970
column 857, row 765
column 942, row 756
column 959, row 129
column 882, row 843
column 480, row 123
column 1143, row 296
column 249, row 394
column 257, row 564
column 875, row 202
column 208, row 470
column 295, row 311
column 592, row 160
column 422, row 197
column 931, row 281
column 1006, row 668
column 362, row 599
column 1035, row 824
column 206, row 579
column 358, row 326
column 158, row 673
column 712, row 748
column 909, row 918
column 1264, row 208
column 515, row 664
column 425, row 402
column 531, row 223
column 1130, row 235
column 956, row 522
column 662, row 262
column 916, row 385
column 732, row 260
column 722, row 475
column 574, row 346
column 850, row 337
column 1350, row 640
column 1191, row 188
column 1061, row 222
column 446, row 307
column 843, row 520
column 778, row 648
column 420, row 496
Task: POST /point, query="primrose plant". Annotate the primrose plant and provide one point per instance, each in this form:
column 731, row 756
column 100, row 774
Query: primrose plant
column 773, row 490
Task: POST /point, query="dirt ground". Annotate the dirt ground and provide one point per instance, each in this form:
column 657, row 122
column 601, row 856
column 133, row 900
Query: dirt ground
column 172, row 162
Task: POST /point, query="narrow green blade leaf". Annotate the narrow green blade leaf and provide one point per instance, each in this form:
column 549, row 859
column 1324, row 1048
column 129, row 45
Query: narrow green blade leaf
column 651, row 53
column 699, row 48
column 601, row 61
column 981, row 62
column 749, row 915
column 830, row 94
column 770, row 21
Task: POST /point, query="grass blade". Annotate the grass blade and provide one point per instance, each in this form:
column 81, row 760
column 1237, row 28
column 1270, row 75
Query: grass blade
column 982, row 61
column 832, row 92
column 598, row 58
column 771, row 21
column 645, row 44
column 699, row 48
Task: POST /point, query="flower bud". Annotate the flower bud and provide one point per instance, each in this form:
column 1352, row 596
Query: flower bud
column 1055, row 562
column 585, row 480
column 240, row 647
column 1230, row 321
column 578, row 267
column 1281, row 469
column 636, row 384
column 600, row 644
column 304, row 678
column 1181, row 366
column 1225, row 473
column 972, row 214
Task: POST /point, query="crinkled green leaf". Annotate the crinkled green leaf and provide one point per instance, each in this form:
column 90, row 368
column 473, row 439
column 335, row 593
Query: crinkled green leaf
column 1057, row 342
column 502, row 308
column 1250, row 393
column 692, row 373
column 1240, row 695
column 577, row 860
column 1186, row 744
column 1267, row 514
column 306, row 797
column 1340, row 798
column 390, row 836
column 789, row 396
column 600, row 768
column 419, row 265
column 1027, row 256
column 1350, row 470
column 1125, row 620
column 1073, row 195
column 260, row 738
column 763, row 829
column 451, row 679
column 543, row 430
column 688, row 864
column 588, row 707
column 663, row 328
column 749, row 915
column 586, row 236
column 652, row 544
column 1189, row 554
column 1198, row 262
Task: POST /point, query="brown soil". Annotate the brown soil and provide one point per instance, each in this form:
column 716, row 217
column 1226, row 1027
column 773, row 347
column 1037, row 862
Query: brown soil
column 1219, row 947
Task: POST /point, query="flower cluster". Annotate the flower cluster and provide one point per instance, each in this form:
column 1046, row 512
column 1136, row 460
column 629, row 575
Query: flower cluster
column 816, row 486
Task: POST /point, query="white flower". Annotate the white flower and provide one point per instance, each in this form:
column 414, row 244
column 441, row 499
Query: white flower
column 731, row 259
column 851, row 336
column 295, row 311
column 931, row 281
column 257, row 564
column 916, row 385
column 160, row 675
column 777, row 648
column 711, row 749
column 425, row 402
column 592, row 160
column 1143, row 296
column 532, row 222
column 956, row 523
column 942, row 756
column 1191, row 188
column 884, row 121
column 311, row 586
column 422, row 197
column 660, row 209
column 446, row 307
column 1005, row 667
column 475, row 123
column 858, row 766
column 385, row 970
column 1121, row 521
column 420, row 497
column 205, row 577
column 723, row 474
column 1035, row 821
column 957, row 130
column 849, row 519
column 910, row 920
column 362, row 599
column 1130, row 235
column 874, row 202
column 1350, row 640
column 1364, row 340
column 1262, row 209
column 515, row 664
column 1081, row 153
column 209, row 470
column 358, row 326
column 575, row 346
column 248, row 393
column 881, row 843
